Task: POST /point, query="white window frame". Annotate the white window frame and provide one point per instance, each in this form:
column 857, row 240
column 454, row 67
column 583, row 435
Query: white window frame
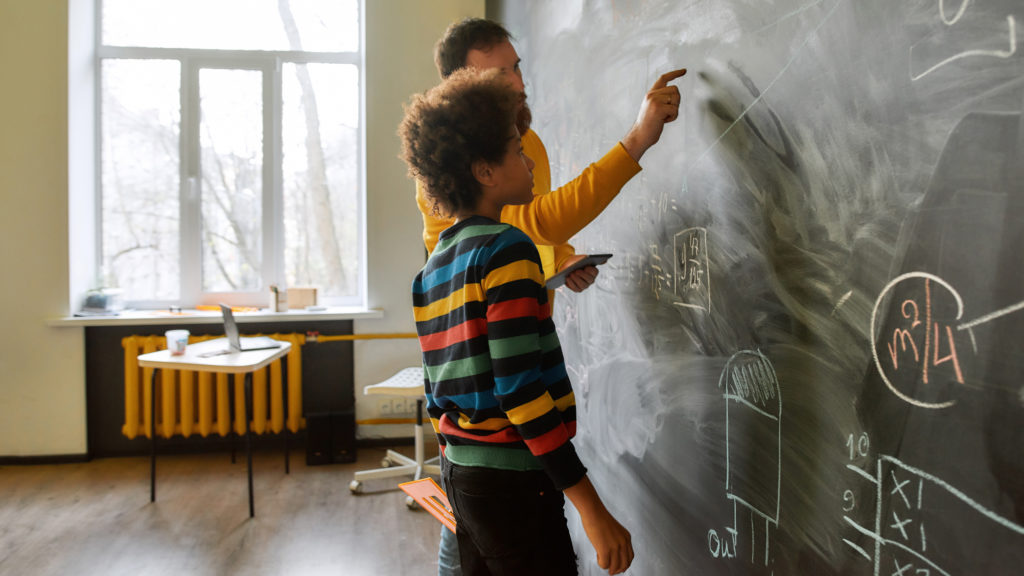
column 192, row 60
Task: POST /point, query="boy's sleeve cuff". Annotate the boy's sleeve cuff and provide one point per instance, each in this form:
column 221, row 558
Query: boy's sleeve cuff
column 563, row 466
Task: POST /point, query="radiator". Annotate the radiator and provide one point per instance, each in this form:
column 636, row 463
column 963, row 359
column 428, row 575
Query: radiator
column 189, row 402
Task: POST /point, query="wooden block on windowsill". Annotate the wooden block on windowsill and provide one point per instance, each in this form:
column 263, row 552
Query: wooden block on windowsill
column 301, row 296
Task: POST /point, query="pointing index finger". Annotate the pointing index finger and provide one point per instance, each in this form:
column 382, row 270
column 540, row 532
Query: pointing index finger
column 668, row 77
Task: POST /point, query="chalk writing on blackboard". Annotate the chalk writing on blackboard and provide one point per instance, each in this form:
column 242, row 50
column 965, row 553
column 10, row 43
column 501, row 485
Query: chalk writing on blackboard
column 753, row 421
column 658, row 274
column 949, row 21
column 842, row 300
column 915, row 341
column 692, row 279
column 991, row 316
column 900, row 531
column 938, row 46
column 919, row 340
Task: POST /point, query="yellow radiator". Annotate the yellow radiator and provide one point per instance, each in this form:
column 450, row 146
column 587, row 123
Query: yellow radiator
column 191, row 402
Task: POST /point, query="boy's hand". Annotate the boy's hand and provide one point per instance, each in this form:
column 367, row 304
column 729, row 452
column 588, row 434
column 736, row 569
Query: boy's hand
column 611, row 541
column 581, row 279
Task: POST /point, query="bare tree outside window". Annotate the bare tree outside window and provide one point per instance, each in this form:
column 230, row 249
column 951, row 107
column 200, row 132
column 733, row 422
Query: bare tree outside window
column 231, row 162
column 140, row 180
column 314, row 244
column 230, row 153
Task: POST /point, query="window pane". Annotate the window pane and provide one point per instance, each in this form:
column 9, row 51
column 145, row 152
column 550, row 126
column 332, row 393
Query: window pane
column 321, row 177
column 231, row 169
column 140, row 178
column 310, row 25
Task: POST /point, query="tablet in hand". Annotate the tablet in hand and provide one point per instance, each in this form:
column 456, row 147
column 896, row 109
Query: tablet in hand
column 589, row 260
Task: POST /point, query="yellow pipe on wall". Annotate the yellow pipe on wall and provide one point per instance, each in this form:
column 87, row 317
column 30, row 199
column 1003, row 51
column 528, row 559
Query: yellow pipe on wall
column 393, row 336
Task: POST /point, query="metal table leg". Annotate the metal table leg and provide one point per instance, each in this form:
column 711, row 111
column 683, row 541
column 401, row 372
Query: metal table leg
column 284, row 391
column 248, row 437
column 152, row 436
column 232, row 434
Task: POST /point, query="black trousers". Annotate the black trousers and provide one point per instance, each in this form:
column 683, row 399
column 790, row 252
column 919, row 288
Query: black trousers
column 508, row 523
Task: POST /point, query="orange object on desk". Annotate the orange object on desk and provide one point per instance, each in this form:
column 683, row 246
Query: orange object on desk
column 216, row 308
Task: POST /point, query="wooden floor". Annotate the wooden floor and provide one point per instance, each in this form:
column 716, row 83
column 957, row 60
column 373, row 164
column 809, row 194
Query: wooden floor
column 96, row 518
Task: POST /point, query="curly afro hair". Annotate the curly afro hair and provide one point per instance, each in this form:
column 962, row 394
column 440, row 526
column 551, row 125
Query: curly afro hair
column 469, row 117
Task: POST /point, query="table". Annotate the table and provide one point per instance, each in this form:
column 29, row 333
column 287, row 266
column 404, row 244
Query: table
column 232, row 363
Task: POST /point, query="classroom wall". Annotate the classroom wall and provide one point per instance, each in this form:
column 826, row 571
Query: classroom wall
column 42, row 375
column 42, row 368
column 399, row 62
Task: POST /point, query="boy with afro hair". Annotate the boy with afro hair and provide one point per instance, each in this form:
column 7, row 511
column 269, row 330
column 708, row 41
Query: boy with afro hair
column 497, row 391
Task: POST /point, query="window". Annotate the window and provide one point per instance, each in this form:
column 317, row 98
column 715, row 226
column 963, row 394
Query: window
column 230, row 141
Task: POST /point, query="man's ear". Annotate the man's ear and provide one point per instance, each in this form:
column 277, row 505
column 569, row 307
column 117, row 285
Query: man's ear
column 483, row 172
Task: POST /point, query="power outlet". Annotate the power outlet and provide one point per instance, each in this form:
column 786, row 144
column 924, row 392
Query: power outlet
column 387, row 407
column 402, row 407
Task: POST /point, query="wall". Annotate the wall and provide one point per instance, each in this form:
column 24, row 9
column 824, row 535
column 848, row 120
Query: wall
column 42, row 373
column 398, row 63
column 42, row 396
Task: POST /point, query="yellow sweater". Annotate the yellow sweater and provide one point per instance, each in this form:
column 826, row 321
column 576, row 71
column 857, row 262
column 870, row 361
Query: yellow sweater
column 553, row 217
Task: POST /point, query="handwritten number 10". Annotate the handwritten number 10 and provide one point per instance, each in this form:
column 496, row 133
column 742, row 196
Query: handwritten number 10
column 860, row 447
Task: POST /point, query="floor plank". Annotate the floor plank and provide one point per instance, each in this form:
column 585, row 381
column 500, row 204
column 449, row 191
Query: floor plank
column 96, row 518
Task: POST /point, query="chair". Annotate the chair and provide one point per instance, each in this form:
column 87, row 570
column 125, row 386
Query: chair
column 408, row 383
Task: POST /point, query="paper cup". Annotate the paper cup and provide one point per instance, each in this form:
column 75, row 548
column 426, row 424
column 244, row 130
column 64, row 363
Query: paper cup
column 177, row 340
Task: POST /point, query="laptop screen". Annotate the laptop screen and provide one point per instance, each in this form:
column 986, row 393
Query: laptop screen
column 231, row 329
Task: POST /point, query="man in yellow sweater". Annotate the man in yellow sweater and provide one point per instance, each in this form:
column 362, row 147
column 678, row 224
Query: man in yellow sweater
column 553, row 217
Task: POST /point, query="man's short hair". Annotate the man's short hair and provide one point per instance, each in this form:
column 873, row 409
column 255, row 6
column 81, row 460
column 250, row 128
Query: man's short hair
column 461, row 37
column 469, row 117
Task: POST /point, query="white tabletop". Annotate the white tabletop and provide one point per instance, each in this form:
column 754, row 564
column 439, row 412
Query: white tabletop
column 234, row 363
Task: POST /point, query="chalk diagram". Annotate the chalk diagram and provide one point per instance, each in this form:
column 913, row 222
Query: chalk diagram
column 922, row 350
column 959, row 39
column 687, row 278
column 753, row 453
column 691, row 271
column 918, row 353
column 900, row 532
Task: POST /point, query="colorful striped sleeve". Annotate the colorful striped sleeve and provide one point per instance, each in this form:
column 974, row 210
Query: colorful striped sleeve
column 517, row 314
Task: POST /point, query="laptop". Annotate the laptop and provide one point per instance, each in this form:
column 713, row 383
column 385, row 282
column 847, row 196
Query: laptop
column 236, row 343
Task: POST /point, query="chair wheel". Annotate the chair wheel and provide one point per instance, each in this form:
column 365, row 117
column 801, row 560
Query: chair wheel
column 385, row 463
column 410, row 503
column 355, row 487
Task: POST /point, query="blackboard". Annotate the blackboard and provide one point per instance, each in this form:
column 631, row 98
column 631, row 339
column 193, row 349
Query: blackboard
column 806, row 355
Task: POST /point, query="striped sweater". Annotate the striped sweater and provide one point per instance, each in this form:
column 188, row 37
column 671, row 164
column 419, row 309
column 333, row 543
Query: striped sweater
column 497, row 391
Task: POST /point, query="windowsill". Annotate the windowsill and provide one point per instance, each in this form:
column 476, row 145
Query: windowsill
column 150, row 317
